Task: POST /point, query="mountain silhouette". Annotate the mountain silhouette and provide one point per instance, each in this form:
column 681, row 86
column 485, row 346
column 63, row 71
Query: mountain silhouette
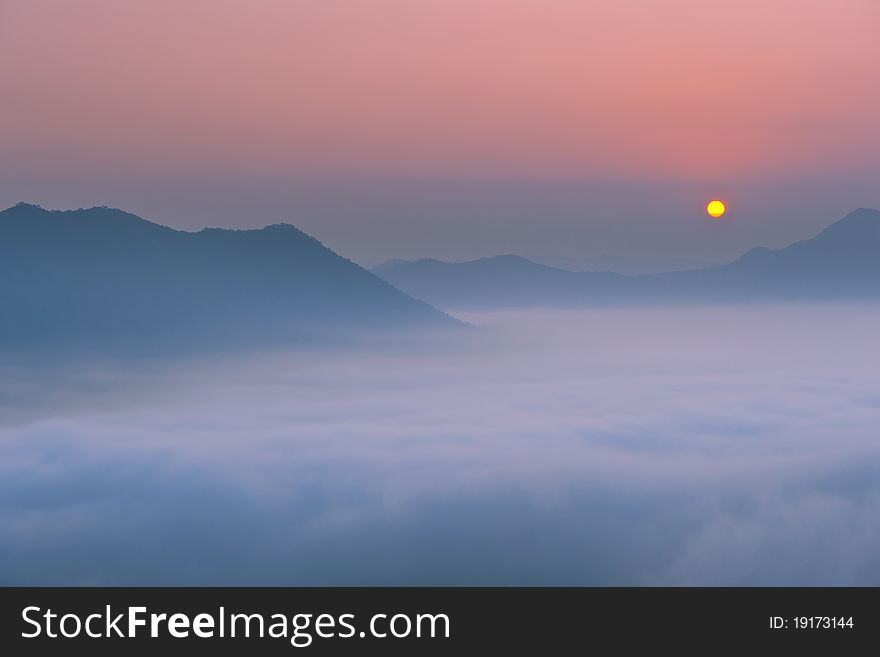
column 107, row 279
column 840, row 263
column 505, row 281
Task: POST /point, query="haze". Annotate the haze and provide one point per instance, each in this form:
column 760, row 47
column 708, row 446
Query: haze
column 705, row 445
column 558, row 130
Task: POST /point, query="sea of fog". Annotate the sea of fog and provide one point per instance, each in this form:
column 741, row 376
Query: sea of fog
column 727, row 445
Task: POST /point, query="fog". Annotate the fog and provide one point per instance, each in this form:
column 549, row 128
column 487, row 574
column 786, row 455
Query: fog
column 718, row 446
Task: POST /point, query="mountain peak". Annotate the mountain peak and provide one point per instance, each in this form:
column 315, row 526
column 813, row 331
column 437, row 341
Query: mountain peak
column 856, row 227
column 24, row 208
column 859, row 217
column 863, row 213
column 105, row 279
column 857, row 233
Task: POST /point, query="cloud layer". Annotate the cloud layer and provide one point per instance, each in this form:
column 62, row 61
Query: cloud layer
column 676, row 446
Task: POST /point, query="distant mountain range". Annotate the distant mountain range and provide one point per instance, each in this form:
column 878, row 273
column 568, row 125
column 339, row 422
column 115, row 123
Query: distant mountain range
column 840, row 263
column 107, row 280
column 110, row 280
column 629, row 265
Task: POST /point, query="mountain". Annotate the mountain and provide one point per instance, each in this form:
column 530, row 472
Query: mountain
column 109, row 280
column 840, row 263
column 630, row 265
column 505, row 281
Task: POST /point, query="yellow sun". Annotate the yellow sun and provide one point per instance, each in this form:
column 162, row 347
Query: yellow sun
column 715, row 208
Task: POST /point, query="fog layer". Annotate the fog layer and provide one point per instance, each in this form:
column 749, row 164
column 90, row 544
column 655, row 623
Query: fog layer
column 688, row 446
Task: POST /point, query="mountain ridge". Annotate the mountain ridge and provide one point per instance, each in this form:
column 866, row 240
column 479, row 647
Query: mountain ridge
column 105, row 277
column 839, row 262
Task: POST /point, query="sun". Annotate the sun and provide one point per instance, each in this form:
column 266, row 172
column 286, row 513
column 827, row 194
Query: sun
column 715, row 208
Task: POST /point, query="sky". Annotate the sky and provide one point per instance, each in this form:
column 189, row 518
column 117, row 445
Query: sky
column 567, row 131
column 703, row 445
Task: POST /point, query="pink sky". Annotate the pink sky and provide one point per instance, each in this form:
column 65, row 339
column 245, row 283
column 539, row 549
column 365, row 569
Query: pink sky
column 463, row 88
